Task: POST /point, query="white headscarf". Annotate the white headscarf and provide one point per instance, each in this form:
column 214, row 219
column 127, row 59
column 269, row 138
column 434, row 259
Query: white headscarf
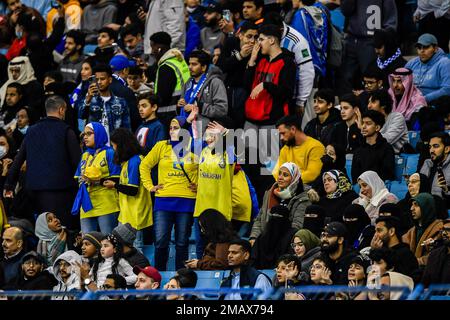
column 26, row 74
column 290, row 190
column 379, row 190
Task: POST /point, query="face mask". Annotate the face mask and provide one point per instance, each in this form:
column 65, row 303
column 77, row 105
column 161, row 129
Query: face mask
column 19, row 34
column 3, row 152
column 23, row 130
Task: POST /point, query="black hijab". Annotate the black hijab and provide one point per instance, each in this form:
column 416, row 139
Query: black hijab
column 312, row 223
column 356, row 220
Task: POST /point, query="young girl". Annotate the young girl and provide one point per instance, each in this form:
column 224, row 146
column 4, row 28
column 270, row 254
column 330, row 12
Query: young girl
column 110, row 261
column 134, row 200
column 98, row 205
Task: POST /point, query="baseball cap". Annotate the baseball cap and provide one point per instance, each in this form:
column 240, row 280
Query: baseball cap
column 149, row 271
column 427, row 39
column 336, row 229
column 214, row 7
column 119, row 62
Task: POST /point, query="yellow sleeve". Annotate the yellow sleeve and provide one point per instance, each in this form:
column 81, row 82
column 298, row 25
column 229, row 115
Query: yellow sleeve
column 73, row 17
column 147, row 164
column 314, row 164
column 281, row 160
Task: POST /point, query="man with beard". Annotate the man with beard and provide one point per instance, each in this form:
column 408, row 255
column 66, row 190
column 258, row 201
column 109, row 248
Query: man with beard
column 70, row 66
column 437, row 169
column 212, row 36
column 298, row 148
column 438, row 267
column 386, row 235
column 332, row 245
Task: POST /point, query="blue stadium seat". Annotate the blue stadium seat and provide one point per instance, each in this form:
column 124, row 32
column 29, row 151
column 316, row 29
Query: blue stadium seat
column 356, row 188
column 209, row 279
column 348, row 165
column 414, row 137
column 411, row 163
column 149, row 253
column 269, row 272
column 399, row 168
column 399, row 189
column 166, row 275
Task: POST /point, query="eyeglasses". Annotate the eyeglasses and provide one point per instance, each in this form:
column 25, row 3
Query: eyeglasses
column 316, row 266
column 369, row 83
column 32, row 262
column 445, row 230
column 326, row 235
column 296, row 244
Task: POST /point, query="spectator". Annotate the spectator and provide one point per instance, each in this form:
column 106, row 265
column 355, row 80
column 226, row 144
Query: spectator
column 386, row 235
column 196, row 11
column 437, row 168
column 286, row 197
column 171, row 75
column 306, row 246
column 167, row 16
column 300, row 149
column 436, row 270
column 106, row 49
column 376, row 154
column 133, row 41
column 205, row 89
column 403, row 215
column 96, row 15
column 13, row 249
column 126, row 235
column 233, row 61
column 175, row 194
column 357, row 276
column 338, row 194
column 211, row 36
column 391, row 279
column 270, row 95
column 52, row 186
column 152, row 130
column 242, row 274
column 135, row 202
column 135, row 81
column 54, row 239
column 101, row 105
column 373, row 194
column 394, row 129
column 287, row 10
column 114, row 282
column 65, row 271
column 321, row 273
column 97, row 204
column 433, row 18
column 389, row 55
column 175, row 283
column 72, row 12
column 327, row 117
column 253, row 10
column 90, row 249
column 314, row 219
column 363, row 20
column 32, row 275
column 312, row 22
column 426, row 227
column 21, row 71
column 84, row 79
column 110, row 261
column 405, row 95
column 430, row 68
column 346, row 133
column 192, row 36
column 333, row 247
column 373, row 80
column 14, row 100
column 294, row 41
column 16, row 7
column 218, row 234
column 70, row 66
column 148, row 278
column 288, row 273
column 120, row 65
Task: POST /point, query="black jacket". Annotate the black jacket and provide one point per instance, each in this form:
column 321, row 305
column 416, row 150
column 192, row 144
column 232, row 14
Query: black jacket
column 404, row 260
column 436, row 270
column 348, row 138
column 43, row 281
column 379, row 157
column 136, row 258
column 230, row 65
column 10, row 269
column 339, row 268
column 334, row 208
column 323, row 131
column 247, row 278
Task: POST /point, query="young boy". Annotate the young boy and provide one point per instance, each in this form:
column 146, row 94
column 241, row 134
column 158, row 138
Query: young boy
column 151, row 130
column 135, row 81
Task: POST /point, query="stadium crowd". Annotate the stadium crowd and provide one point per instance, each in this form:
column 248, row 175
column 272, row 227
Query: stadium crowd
column 122, row 124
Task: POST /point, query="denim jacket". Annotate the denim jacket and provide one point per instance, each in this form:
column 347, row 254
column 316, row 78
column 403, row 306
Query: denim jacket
column 116, row 110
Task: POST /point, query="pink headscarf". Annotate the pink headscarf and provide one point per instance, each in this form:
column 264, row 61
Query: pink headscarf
column 412, row 99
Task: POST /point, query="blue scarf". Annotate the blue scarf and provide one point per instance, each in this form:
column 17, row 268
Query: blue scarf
column 191, row 94
column 100, row 137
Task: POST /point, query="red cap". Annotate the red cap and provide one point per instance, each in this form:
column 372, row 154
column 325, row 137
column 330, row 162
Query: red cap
column 149, row 271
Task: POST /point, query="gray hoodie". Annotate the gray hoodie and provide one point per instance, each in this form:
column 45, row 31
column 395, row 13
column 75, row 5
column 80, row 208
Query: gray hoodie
column 212, row 101
column 73, row 283
column 365, row 16
column 96, row 16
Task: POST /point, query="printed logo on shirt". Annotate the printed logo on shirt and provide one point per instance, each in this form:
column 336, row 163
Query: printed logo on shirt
column 305, row 53
column 103, row 163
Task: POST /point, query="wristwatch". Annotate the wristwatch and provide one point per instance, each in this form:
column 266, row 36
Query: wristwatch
column 87, row 281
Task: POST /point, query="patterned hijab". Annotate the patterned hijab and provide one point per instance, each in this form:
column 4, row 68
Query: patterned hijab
column 343, row 184
column 290, row 190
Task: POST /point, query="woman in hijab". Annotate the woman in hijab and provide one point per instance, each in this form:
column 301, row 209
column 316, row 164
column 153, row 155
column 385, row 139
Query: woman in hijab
column 98, row 205
column 288, row 192
column 54, row 239
column 306, row 246
column 314, row 219
column 21, row 71
column 360, row 231
column 339, row 194
column 373, row 194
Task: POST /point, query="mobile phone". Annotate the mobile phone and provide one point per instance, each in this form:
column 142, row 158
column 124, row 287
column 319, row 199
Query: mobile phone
column 226, row 14
column 55, row 4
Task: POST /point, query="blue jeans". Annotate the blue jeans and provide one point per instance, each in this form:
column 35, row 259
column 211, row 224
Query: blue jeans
column 163, row 222
column 199, row 242
column 106, row 223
